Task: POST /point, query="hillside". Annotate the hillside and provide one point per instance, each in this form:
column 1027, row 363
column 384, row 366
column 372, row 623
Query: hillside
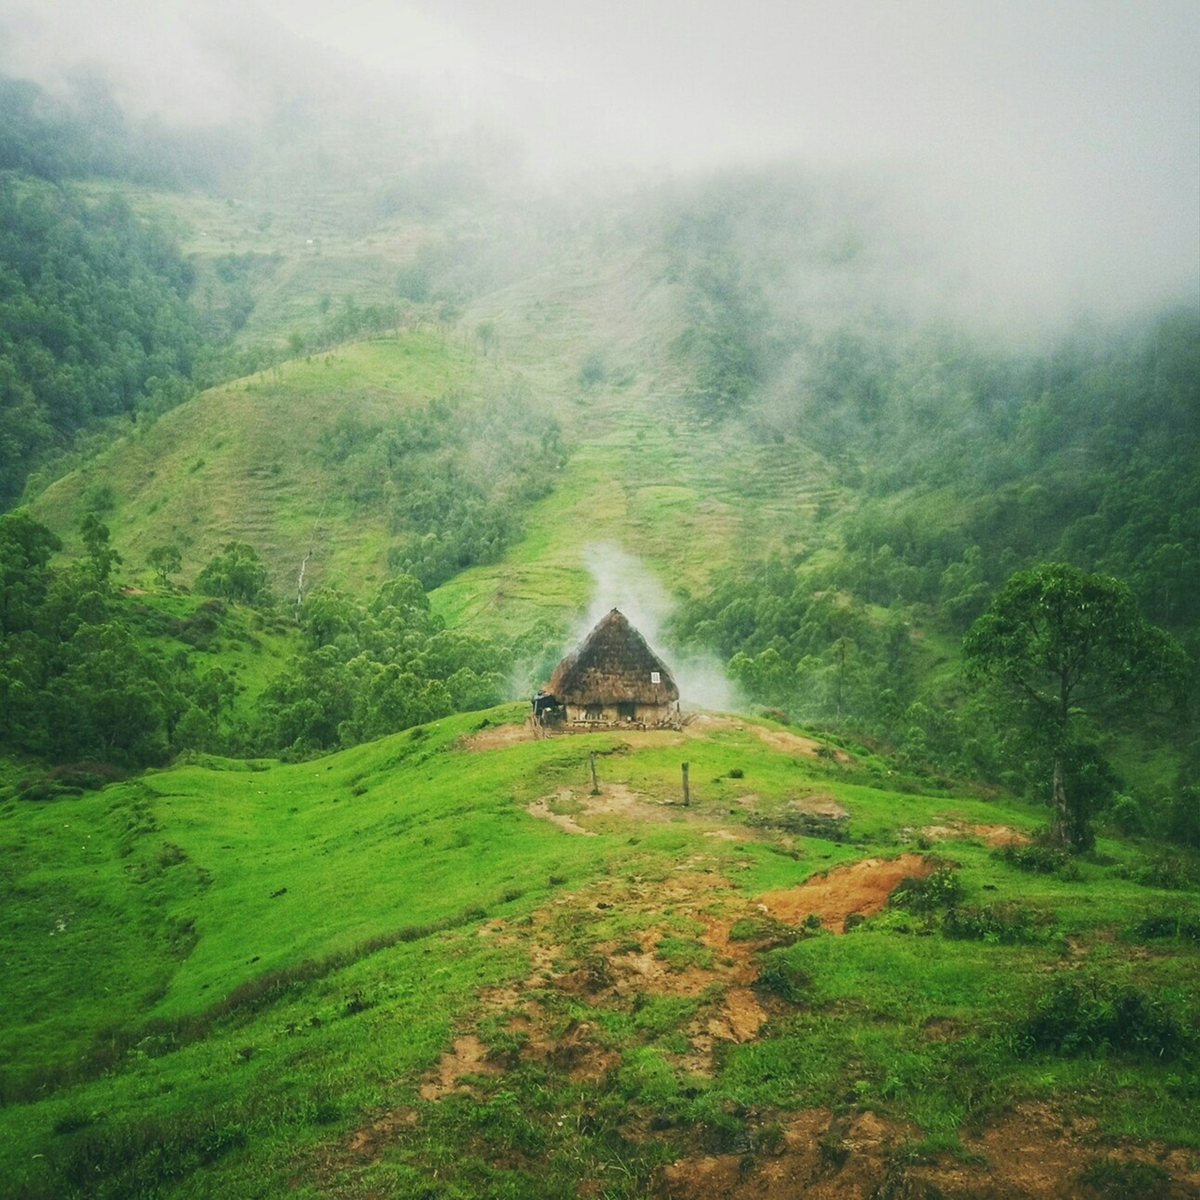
column 292, row 907
column 696, row 403
column 240, row 463
column 439, row 962
column 586, row 344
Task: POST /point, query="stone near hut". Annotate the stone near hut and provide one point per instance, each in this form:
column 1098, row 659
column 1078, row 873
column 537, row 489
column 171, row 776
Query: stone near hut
column 611, row 678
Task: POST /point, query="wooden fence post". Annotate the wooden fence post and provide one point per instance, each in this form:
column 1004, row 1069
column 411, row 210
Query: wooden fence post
column 686, row 797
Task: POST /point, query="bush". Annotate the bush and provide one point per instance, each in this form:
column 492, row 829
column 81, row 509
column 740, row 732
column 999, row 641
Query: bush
column 1089, row 1016
column 1039, row 860
column 783, row 979
column 1171, row 872
column 769, row 932
column 1002, row 922
column 1167, row 925
column 942, row 889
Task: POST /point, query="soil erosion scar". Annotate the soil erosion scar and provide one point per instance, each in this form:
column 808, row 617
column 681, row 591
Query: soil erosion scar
column 860, row 887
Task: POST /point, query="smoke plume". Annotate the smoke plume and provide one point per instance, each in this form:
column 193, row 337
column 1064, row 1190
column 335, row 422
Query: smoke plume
column 619, row 580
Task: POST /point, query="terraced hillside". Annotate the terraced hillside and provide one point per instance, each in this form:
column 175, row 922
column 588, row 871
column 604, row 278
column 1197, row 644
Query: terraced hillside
column 241, row 462
column 589, row 343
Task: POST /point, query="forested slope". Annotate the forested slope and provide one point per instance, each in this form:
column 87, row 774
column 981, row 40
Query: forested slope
column 93, row 319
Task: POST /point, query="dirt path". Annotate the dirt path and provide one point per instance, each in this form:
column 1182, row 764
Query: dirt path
column 702, row 724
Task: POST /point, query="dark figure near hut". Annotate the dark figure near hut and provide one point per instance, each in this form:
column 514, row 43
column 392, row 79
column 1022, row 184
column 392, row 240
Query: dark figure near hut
column 611, row 678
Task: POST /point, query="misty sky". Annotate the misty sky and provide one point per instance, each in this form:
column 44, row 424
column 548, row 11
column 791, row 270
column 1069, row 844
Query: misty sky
column 1068, row 127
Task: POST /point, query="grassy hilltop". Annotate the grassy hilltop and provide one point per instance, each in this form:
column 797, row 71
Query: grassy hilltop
column 438, row 964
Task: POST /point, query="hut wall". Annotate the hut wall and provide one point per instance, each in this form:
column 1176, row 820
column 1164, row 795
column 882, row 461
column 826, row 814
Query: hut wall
column 613, row 714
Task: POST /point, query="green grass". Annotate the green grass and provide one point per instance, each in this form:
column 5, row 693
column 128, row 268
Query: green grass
column 240, row 463
column 248, row 645
column 215, row 973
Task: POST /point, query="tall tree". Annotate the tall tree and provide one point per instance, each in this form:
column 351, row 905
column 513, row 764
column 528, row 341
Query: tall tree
column 1064, row 644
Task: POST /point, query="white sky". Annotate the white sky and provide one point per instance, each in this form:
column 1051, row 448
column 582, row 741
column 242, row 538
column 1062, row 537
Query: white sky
column 1075, row 123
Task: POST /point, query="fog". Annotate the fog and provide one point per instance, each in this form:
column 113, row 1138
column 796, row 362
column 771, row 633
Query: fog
column 1056, row 145
column 620, row 580
column 1053, row 148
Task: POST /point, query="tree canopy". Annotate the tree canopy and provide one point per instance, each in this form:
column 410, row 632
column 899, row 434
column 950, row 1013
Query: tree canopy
column 93, row 318
column 1063, row 644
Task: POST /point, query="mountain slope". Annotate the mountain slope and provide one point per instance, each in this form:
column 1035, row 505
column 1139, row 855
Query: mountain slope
column 244, row 461
column 241, row 462
column 441, row 961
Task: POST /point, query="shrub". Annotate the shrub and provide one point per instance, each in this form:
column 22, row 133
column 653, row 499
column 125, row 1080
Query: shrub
column 1171, row 872
column 783, row 979
column 768, row 932
column 942, row 889
column 1004, row 922
column 1039, row 860
column 1167, row 925
column 1089, row 1016
column 69, row 779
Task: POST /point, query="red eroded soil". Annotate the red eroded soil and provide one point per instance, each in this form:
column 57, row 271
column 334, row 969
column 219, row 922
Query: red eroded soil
column 858, row 888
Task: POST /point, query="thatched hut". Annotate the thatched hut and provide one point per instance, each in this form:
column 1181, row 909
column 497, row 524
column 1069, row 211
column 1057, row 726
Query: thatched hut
column 611, row 678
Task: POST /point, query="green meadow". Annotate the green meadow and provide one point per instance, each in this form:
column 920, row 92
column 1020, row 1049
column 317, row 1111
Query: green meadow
column 219, row 975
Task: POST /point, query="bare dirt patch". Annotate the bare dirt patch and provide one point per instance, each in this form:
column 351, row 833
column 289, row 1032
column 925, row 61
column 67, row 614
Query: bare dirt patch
column 860, row 888
column 579, row 811
column 817, row 1156
column 702, row 724
column 1028, row 1154
column 468, row 1056
column 820, row 804
column 610, row 944
column 543, row 809
column 677, row 946
column 740, row 1018
column 575, row 1051
column 794, row 743
column 369, row 1141
column 991, row 835
column 496, row 737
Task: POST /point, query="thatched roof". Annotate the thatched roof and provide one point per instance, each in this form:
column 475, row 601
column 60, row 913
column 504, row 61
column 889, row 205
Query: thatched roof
column 613, row 665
